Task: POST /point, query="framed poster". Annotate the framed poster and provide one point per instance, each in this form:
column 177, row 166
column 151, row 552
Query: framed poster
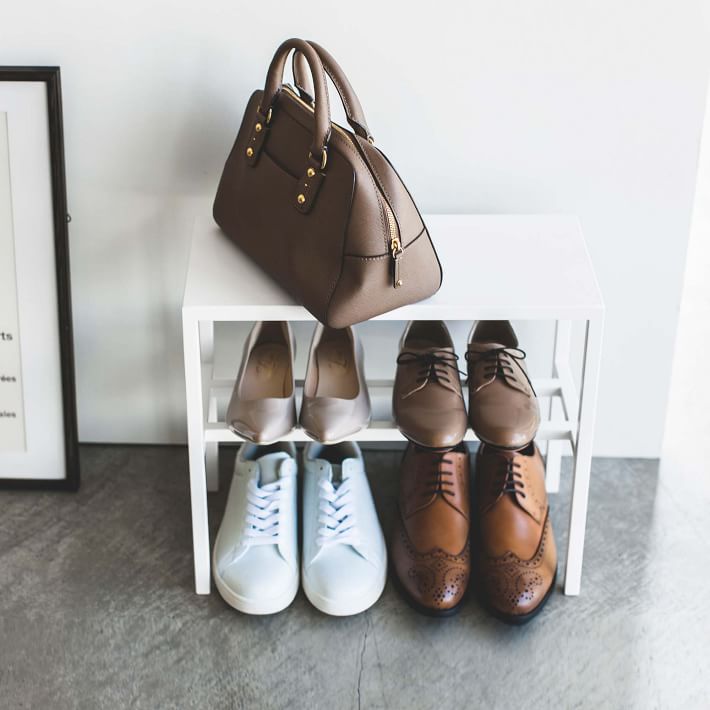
column 38, row 431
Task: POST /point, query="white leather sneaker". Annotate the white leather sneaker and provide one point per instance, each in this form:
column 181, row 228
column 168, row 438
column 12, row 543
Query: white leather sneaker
column 344, row 566
column 255, row 559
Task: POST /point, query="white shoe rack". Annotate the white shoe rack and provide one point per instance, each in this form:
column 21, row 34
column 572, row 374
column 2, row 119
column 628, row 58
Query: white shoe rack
column 496, row 267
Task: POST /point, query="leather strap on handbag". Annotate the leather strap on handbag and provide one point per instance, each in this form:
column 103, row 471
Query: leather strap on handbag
column 319, row 207
column 351, row 103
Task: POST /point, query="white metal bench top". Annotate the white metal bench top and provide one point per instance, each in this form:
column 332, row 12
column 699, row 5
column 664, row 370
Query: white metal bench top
column 495, row 267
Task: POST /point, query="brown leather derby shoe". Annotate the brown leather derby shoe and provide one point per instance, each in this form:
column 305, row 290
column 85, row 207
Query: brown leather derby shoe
column 502, row 405
column 427, row 400
column 517, row 558
column 430, row 547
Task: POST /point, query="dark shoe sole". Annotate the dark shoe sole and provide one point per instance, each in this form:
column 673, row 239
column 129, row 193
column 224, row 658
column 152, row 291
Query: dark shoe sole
column 519, row 619
column 503, row 448
column 437, row 449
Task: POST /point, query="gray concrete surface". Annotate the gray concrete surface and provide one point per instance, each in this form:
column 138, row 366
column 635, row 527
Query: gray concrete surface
column 98, row 609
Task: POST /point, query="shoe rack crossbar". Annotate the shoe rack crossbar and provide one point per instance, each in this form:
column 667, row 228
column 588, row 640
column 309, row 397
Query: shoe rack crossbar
column 382, row 427
column 547, row 274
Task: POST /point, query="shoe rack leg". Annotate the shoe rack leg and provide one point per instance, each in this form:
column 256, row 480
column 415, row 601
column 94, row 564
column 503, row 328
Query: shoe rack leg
column 211, row 447
column 212, row 466
column 583, row 454
column 196, row 452
column 553, row 459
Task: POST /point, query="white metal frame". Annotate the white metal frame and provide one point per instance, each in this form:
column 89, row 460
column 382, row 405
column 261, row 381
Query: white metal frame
column 571, row 414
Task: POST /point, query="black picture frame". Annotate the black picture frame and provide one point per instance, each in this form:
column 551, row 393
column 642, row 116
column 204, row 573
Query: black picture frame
column 51, row 76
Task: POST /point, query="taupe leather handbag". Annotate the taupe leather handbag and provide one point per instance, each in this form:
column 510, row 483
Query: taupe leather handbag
column 319, row 207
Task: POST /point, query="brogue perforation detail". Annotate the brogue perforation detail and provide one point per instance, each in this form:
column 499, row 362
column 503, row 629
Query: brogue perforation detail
column 513, row 582
column 437, row 574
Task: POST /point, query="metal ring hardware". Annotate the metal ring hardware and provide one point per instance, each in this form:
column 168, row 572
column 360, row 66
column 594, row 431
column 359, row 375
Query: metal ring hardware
column 324, row 158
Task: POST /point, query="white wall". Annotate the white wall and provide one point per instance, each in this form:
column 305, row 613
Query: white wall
column 688, row 416
column 587, row 107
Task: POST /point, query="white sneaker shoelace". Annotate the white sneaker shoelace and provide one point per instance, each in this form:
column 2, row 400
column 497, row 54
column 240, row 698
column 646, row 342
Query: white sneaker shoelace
column 263, row 508
column 337, row 515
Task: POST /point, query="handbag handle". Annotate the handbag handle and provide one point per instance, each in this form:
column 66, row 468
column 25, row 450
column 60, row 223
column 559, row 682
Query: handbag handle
column 351, row 103
column 274, row 79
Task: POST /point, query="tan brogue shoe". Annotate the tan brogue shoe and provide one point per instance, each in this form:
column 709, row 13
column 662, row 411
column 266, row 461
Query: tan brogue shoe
column 516, row 561
column 430, row 547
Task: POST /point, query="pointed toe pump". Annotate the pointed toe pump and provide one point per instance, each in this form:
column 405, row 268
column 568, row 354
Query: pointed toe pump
column 263, row 406
column 336, row 403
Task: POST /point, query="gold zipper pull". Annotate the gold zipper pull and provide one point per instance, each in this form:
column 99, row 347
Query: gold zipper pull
column 397, row 252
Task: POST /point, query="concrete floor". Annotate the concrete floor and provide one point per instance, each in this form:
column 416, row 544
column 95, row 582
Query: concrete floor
column 98, row 609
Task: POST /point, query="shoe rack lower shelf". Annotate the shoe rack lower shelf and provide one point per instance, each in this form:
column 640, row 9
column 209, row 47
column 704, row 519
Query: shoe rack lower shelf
column 382, row 427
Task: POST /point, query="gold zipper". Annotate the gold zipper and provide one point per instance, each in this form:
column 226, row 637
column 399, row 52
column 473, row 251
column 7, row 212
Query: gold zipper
column 395, row 245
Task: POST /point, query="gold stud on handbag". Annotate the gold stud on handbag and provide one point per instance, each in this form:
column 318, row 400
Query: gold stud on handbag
column 318, row 207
